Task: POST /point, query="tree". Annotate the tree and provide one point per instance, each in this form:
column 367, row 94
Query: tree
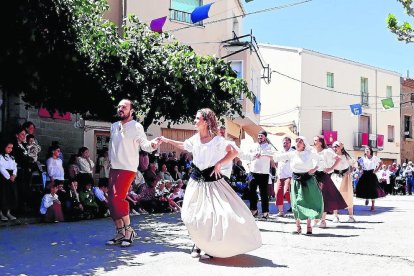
column 85, row 65
column 404, row 31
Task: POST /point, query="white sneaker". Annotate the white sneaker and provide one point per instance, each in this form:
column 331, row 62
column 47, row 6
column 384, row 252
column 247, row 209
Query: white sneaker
column 335, row 219
column 10, row 216
column 2, row 217
column 133, row 212
column 322, row 224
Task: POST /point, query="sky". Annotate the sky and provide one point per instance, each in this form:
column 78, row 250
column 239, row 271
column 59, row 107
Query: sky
column 350, row 29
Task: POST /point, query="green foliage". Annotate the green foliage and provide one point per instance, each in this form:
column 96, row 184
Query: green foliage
column 66, row 56
column 404, row 31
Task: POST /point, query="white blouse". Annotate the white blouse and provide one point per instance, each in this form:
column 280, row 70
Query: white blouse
column 55, row 168
column 283, row 168
column 327, row 159
column 208, row 154
column 7, row 163
column 344, row 164
column 369, row 164
column 47, row 201
column 85, row 165
column 300, row 161
column 126, row 141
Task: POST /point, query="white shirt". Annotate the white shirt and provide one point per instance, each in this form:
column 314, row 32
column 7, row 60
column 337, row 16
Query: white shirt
column 369, row 164
column 300, row 161
column 126, row 141
column 55, row 168
column 344, row 164
column 261, row 164
column 384, row 174
column 85, row 165
column 99, row 193
column 283, row 168
column 7, row 163
column 208, row 154
column 47, row 201
column 327, row 159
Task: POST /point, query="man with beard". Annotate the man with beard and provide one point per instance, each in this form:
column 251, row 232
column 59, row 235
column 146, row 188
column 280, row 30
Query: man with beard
column 127, row 138
column 261, row 153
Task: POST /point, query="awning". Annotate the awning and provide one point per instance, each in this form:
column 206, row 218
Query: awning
column 280, row 131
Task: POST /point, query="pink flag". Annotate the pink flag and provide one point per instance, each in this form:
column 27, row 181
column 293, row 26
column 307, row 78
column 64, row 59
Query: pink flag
column 157, row 24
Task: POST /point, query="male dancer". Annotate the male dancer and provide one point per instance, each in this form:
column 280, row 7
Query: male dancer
column 262, row 153
column 127, row 138
column 284, row 175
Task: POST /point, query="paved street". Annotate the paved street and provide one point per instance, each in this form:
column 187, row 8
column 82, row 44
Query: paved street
column 380, row 243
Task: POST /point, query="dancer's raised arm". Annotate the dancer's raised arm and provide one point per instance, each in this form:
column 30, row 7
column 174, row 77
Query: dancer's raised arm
column 177, row 144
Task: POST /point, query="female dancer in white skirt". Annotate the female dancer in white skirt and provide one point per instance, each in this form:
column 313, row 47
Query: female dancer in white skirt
column 342, row 178
column 218, row 221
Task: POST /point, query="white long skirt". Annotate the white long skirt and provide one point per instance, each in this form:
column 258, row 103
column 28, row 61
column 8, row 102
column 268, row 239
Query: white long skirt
column 344, row 185
column 218, row 221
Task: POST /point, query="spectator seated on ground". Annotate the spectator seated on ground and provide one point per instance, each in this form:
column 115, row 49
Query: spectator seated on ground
column 165, row 175
column 174, row 199
column 87, row 198
column 51, row 208
column 138, row 181
column 72, row 207
column 133, row 200
column 101, row 198
column 147, row 200
column 161, row 195
column 178, row 191
column 151, row 174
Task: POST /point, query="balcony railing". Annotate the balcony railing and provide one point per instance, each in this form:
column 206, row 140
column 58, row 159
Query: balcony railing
column 364, row 98
column 183, row 17
column 363, row 139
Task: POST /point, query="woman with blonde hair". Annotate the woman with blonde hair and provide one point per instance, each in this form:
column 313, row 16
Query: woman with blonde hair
column 342, row 178
column 218, row 221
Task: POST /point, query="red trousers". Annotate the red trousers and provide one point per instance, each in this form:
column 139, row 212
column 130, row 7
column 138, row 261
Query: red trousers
column 282, row 188
column 119, row 183
column 54, row 213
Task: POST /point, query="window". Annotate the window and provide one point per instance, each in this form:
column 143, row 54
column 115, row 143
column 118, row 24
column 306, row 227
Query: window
column 407, row 126
column 257, row 105
column 390, row 133
column 237, row 67
column 326, row 121
column 330, row 80
column 364, row 91
column 389, row 92
column 181, row 10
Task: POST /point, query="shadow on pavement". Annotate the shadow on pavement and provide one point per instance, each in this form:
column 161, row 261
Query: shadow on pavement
column 362, row 210
column 331, row 235
column 79, row 248
column 243, row 260
column 343, row 226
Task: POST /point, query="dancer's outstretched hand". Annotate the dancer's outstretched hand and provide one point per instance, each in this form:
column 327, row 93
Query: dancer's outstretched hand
column 217, row 170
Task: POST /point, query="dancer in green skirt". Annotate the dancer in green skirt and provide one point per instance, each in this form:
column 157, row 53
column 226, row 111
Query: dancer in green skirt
column 306, row 197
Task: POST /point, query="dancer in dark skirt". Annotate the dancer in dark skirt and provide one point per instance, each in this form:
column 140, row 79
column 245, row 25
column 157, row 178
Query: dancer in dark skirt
column 332, row 198
column 8, row 187
column 368, row 186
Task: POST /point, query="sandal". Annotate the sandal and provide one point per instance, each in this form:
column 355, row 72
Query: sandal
column 128, row 242
column 115, row 240
column 298, row 230
column 255, row 213
column 265, row 215
column 309, row 230
column 195, row 252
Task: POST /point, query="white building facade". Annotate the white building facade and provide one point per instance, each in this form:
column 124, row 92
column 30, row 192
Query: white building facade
column 312, row 93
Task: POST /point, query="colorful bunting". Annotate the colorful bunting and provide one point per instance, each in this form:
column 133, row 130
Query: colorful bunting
column 387, row 103
column 157, row 24
column 200, row 13
column 356, row 109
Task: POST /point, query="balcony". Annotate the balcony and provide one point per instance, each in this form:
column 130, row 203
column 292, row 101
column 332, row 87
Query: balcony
column 182, row 16
column 363, row 139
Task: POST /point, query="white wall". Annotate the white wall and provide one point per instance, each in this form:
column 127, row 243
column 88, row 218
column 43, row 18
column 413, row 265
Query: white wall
column 281, row 98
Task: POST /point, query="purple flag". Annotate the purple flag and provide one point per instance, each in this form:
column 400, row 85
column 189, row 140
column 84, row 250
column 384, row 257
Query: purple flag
column 157, row 24
column 200, row 13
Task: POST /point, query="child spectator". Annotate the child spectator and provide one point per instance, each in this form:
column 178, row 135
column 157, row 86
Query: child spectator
column 8, row 188
column 101, row 198
column 73, row 168
column 133, row 200
column 33, row 148
column 50, row 206
column 72, row 206
column 54, row 165
column 87, row 198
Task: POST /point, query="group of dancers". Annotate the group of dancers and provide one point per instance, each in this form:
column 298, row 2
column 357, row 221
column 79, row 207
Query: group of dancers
column 218, row 221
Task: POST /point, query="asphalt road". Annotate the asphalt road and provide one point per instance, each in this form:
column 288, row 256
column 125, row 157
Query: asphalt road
column 379, row 243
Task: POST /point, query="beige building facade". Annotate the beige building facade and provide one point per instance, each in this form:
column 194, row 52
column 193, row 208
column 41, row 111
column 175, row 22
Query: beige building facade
column 206, row 39
column 312, row 92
